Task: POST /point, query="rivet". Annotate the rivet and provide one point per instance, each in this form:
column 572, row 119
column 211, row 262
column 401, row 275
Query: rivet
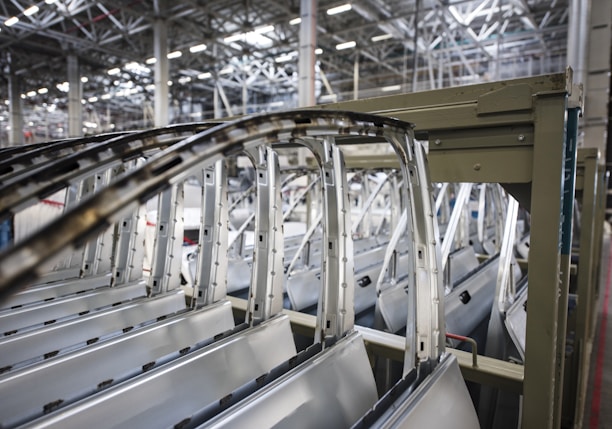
column 477, row 166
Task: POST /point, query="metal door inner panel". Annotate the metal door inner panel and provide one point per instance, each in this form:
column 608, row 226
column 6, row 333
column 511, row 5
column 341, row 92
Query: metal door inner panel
column 332, row 390
column 440, row 401
column 70, row 307
column 55, row 290
column 68, row 378
column 471, row 300
column 192, row 381
column 59, row 338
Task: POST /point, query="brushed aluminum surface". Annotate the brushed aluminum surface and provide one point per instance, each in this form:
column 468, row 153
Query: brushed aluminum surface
column 69, row 307
column 25, row 393
column 332, row 390
column 168, row 394
column 58, row 338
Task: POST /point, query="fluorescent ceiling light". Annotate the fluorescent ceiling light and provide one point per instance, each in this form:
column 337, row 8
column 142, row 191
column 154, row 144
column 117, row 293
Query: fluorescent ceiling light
column 234, row 38
column 43, row 90
column 84, row 79
column 114, row 71
column 205, row 75
column 150, row 87
column 106, row 96
column 184, row 79
column 135, row 67
column 31, row 93
column 295, row 21
column 339, row 9
column 63, row 87
column 318, row 51
column 346, row 45
column 226, row 70
column 23, row 96
column 50, row 1
column 173, row 55
column 264, row 29
column 169, row 83
column 197, row 48
column 391, row 88
column 31, row 10
column 151, row 60
column 381, row 37
column 11, row 21
column 285, row 57
column 276, row 104
column 92, row 99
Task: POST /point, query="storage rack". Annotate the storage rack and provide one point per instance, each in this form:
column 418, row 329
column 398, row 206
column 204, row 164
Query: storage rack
column 513, row 133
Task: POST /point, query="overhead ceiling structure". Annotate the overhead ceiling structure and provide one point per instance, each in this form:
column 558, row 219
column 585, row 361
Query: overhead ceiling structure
column 248, row 51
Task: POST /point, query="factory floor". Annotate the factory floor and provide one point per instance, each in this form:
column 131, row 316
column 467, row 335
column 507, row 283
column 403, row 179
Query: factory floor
column 598, row 412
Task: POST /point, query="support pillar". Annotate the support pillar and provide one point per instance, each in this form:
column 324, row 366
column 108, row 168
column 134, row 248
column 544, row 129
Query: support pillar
column 160, row 51
column 356, row 77
column 577, row 38
column 75, row 94
column 15, row 136
column 308, row 44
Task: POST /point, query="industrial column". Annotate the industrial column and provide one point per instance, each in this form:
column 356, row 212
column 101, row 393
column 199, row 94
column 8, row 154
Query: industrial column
column 160, row 51
column 544, row 359
column 75, row 108
column 577, row 38
column 16, row 119
column 308, row 44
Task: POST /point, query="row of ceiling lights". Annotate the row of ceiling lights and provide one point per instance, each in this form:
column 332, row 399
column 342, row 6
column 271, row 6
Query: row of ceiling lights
column 26, row 12
column 136, row 67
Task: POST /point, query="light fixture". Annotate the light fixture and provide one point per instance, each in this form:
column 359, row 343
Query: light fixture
column 173, row 55
column 31, row 93
column 114, row 71
column 43, row 90
column 318, row 51
column 295, row 21
column 264, row 29
column 381, row 37
column 63, row 87
column 234, row 38
column 151, row 60
column 50, row 1
column 197, row 48
column 92, row 99
column 204, row 75
column 106, row 96
column 285, row 57
column 346, row 45
column 184, row 79
column 339, row 9
column 11, row 21
column 84, row 79
column 226, row 70
column 169, row 83
column 83, row 101
column 23, row 96
column 390, row 88
column 31, row 10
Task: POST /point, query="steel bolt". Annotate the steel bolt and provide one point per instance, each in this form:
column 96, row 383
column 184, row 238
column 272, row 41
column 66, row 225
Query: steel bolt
column 437, row 141
column 521, row 137
column 477, row 167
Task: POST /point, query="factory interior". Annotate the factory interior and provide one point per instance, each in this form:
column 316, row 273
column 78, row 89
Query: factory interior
column 305, row 214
